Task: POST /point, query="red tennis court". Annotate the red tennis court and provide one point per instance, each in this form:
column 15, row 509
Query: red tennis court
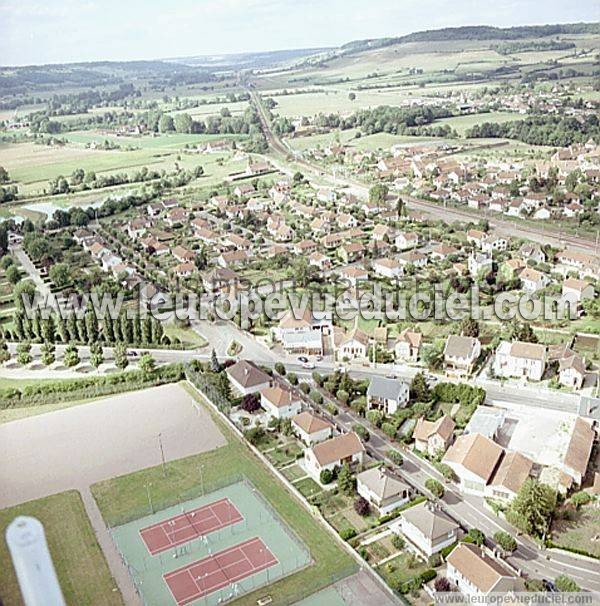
column 190, row 525
column 219, row 570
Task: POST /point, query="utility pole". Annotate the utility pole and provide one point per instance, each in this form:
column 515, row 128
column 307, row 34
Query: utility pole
column 148, row 484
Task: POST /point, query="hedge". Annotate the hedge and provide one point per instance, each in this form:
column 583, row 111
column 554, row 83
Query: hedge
column 88, row 387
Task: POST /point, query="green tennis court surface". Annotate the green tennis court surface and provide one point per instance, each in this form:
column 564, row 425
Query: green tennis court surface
column 258, row 521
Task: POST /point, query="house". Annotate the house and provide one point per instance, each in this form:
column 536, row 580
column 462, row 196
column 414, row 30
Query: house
column 475, row 236
column 532, row 252
column 387, row 395
column 571, row 371
column 246, row 377
column 577, row 290
column 382, row 233
column 232, row 258
column 473, row 458
column 519, row 359
column 406, row 240
column 433, row 437
column 352, row 275
column 354, row 345
column 301, row 332
column 310, row 428
column 479, row 263
column 244, row 189
column 493, row 243
column 184, row 270
column 408, row 346
column 220, row 280
column 333, row 453
column 511, row 474
column 427, row 528
column 532, row 280
column 477, row 574
column 279, row 402
column 346, row 220
column 182, row 254
column 319, row 260
column 387, row 268
column 461, row 354
column 412, row 257
column 351, row 251
column 382, row 489
column 305, row 247
column 442, row 251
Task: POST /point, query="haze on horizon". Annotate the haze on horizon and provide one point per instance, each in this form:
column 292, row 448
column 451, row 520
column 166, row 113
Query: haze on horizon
column 35, row 32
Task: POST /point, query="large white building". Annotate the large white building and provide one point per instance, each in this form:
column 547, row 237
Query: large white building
column 520, row 360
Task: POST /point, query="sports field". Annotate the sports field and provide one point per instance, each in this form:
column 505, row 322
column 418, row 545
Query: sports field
column 223, row 544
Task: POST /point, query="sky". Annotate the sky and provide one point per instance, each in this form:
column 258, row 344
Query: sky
column 60, row 31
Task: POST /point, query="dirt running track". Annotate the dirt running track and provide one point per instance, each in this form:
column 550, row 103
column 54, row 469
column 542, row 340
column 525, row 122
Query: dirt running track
column 81, row 445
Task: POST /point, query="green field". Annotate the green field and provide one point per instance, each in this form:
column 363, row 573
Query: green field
column 80, row 565
column 124, row 499
column 463, row 123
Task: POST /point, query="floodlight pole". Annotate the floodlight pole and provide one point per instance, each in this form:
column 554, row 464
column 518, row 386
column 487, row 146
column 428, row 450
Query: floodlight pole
column 162, row 455
column 149, row 497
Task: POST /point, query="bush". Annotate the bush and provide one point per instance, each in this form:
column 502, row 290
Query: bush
column 434, row 487
column 395, row 456
column 293, row 378
column 428, row 575
column 250, row 402
column 316, row 397
column 361, row 431
column 389, row 429
column 255, row 435
column 566, row 584
column 581, row 498
column 326, row 476
column 304, row 388
column 347, row 533
column 362, row 507
column 506, row 541
column 279, row 368
column 375, row 417
column 477, row 537
column 442, row 585
column 398, row 542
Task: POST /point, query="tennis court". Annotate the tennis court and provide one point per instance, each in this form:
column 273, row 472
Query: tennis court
column 216, row 571
column 190, row 525
column 215, row 560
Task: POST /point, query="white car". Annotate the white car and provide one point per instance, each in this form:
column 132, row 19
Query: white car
column 308, row 365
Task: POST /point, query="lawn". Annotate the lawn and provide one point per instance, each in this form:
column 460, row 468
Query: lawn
column 188, row 337
column 579, row 532
column 82, row 571
column 308, row 487
column 399, row 570
column 124, row 498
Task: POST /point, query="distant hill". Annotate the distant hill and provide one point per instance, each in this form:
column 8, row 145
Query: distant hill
column 255, row 60
column 475, row 32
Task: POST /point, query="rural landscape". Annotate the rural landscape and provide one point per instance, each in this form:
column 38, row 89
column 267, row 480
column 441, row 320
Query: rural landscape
column 316, row 327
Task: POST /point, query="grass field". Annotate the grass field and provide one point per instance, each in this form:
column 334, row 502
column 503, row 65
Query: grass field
column 463, row 123
column 578, row 533
column 124, row 498
column 82, row 571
